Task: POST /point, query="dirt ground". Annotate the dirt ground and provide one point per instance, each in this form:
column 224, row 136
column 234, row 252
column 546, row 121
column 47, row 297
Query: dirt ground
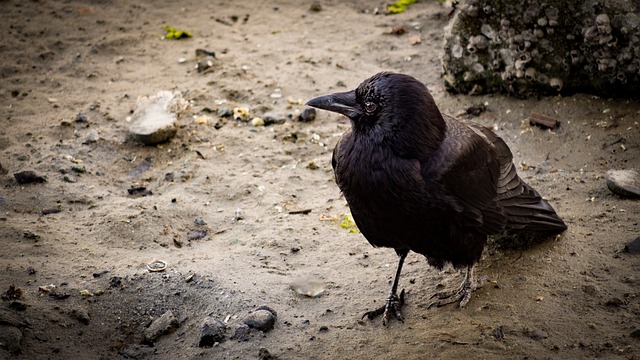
column 70, row 74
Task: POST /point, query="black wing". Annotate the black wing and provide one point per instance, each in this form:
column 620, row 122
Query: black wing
column 515, row 204
column 473, row 175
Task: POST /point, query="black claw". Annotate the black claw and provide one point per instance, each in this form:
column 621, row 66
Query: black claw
column 392, row 307
column 374, row 313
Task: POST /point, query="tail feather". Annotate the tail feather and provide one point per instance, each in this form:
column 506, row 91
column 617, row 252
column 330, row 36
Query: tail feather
column 531, row 212
column 524, row 208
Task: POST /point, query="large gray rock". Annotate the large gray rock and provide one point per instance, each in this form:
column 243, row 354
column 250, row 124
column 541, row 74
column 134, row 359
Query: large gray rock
column 527, row 47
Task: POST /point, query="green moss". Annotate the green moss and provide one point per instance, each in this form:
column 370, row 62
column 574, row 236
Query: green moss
column 399, row 6
column 349, row 224
column 175, row 34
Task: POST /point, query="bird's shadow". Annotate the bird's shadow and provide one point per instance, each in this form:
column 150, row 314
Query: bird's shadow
column 518, row 240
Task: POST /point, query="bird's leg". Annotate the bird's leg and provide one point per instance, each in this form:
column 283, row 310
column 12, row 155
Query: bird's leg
column 394, row 302
column 462, row 293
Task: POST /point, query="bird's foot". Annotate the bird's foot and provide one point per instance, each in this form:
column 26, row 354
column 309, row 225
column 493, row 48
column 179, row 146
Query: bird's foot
column 392, row 307
column 461, row 294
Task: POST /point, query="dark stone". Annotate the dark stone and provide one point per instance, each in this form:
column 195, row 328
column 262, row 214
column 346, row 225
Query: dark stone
column 307, row 115
column 59, row 295
column 615, row 302
column 139, row 191
column 211, row 332
column 264, row 354
column 51, row 211
column 633, row 247
column 270, row 120
column 81, row 118
column 115, row 281
column 242, row 333
column 11, row 338
column 18, row 305
column 196, row 234
column 81, row 315
column 28, row 177
column 99, row 273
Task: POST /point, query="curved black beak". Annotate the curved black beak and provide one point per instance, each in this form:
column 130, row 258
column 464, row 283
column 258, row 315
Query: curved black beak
column 343, row 103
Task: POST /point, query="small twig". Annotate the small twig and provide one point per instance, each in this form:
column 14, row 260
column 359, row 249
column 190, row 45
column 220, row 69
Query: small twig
column 543, row 120
column 303, row 211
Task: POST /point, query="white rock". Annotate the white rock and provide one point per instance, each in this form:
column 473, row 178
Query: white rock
column 155, row 119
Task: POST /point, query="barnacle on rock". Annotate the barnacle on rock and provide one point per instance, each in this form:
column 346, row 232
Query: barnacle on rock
column 621, row 77
column 530, row 74
column 603, row 24
column 575, row 57
column 527, row 46
column 556, row 84
column 542, row 78
column 590, row 33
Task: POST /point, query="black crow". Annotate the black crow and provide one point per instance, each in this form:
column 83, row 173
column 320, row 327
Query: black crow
column 418, row 180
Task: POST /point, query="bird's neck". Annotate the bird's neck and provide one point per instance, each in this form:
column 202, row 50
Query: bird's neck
column 420, row 136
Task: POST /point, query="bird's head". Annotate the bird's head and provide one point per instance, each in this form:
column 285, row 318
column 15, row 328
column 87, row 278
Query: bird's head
column 388, row 104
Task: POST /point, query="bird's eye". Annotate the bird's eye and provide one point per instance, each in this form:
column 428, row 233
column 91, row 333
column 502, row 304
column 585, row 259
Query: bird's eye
column 369, row 106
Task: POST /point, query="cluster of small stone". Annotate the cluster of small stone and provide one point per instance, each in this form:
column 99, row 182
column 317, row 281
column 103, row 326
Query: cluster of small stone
column 526, row 47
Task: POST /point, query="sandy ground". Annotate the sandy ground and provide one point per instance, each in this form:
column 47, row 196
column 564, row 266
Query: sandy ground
column 575, row 296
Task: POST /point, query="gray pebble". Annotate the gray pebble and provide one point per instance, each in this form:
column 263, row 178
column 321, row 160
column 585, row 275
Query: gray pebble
column 261, row 319
column 625, row 183
column 211, row 332
column 270, row 120
column 206, row 63
column 92, row 137
column 161, row 326
column 225, row 112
